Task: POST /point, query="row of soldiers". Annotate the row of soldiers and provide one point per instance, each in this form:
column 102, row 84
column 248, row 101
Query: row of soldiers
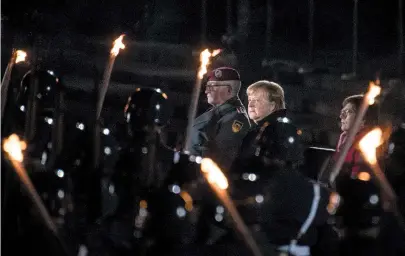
column 164, row 206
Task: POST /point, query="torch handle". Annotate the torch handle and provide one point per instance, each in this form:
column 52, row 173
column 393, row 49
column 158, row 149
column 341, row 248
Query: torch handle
column 239, row 223
column 33, row 195
column 192, row 113
column 5, row 84
column 104, row 85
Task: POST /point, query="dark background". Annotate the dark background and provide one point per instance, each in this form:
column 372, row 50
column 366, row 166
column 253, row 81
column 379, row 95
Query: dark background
column 377, row 20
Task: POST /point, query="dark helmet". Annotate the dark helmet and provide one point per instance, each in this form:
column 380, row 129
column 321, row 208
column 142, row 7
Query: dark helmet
column 48, row 91
column 147, row 107
column 395, row 163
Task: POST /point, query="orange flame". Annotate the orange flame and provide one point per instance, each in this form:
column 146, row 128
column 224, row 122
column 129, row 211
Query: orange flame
column 369, row 144
column 216, row 52
column 213, row 173
column 117, row 45
column 188, row 200
column 14, row 147
column 20, row 56
column 205, row 61
column 364, row 176
column 373, row 91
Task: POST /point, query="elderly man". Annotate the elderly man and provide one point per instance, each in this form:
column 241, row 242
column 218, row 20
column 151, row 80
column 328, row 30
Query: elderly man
column 218, row 132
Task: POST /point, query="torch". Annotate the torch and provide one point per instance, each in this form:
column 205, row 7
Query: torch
column 373, row 91
column 13, row 148
column 16, row 57
column 219, row 184
column 205, row 61
column 102, row 91
column 107, row 73
column 368, row 147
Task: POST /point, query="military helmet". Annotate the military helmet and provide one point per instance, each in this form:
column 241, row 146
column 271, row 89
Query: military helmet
column 146, row 107
column 47, row 93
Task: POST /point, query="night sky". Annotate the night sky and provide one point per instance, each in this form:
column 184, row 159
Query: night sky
column 377, row 20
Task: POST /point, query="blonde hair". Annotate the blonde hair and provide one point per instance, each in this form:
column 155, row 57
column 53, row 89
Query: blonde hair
column 274, row 91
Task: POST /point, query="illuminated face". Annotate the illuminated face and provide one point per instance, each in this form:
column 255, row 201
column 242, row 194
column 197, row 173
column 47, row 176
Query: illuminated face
column 347, row 116
column 259, row 105
column 217, row 94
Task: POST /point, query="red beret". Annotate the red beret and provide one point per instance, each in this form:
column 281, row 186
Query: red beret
column 223, row 74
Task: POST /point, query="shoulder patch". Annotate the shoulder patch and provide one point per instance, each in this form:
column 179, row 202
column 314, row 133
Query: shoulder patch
column 237, row 126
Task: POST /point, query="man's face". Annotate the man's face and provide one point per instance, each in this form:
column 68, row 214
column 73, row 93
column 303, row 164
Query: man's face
column 217, row 94
column 259, row 105
column 347, row 116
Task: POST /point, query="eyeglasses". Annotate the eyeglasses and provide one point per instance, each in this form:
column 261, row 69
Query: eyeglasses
column 347, row 112
column 212, row 86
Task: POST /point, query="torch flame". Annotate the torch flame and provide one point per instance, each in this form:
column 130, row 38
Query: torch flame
column 117, row 45
column 20, row 56
column 205, row 61
column 213, row 173
column 216, row 52
column 373, row 91
column 14, row 147
column 369, row 144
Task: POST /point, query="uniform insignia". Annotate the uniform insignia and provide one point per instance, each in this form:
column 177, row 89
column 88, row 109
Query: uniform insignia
column 240, row 110
column 218, row 73
column 237, row 126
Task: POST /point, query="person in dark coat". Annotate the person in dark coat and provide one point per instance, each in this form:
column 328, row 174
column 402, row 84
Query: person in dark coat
column 282, row 207
column 218, row 132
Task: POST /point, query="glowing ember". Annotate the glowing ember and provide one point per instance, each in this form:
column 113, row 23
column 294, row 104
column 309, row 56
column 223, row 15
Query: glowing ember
column 14, row 147
column 20, row 56
column 364, row 176
column 213, row 173
column 117, row 45
column 369, row 144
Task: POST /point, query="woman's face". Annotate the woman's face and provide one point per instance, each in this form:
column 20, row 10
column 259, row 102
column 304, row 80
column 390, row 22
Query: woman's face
column 347, row 116
column 259, row 105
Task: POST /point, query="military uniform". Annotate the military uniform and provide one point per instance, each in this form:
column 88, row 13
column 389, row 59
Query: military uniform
column 218, row 132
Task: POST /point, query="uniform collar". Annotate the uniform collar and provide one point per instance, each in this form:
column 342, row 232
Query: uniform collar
column 232, row 102
column 273, row 117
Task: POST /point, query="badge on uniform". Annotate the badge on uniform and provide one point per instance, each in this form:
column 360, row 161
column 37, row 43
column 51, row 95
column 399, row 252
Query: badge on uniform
column 237, row 126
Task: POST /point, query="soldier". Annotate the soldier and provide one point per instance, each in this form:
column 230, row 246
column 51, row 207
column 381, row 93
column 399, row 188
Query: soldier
column 218, row 132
